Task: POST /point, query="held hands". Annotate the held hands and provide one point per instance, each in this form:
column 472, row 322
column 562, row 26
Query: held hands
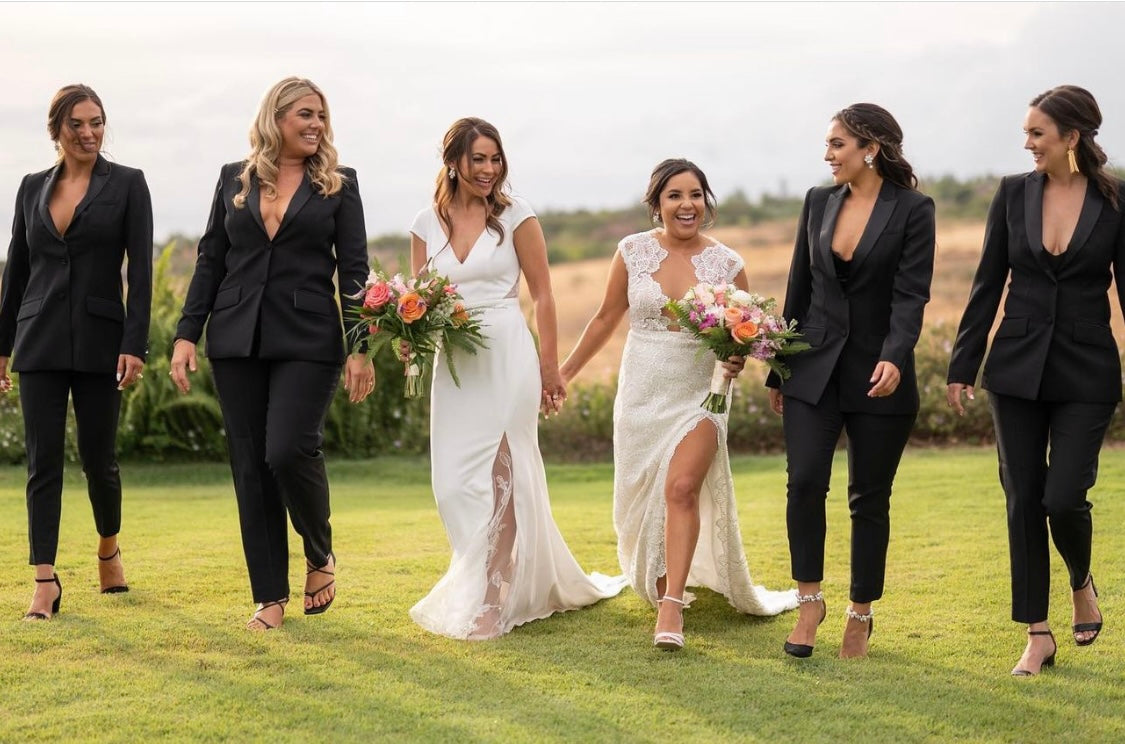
column 5, row 380
column 886, row 378
column 554, row 392
column 953, row 393
column 183, row 361
column 359, row 377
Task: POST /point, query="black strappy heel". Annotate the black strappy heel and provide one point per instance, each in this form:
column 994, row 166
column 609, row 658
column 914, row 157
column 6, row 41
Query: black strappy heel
column 55, row 606
column 255, row 618
column 318, row 610
column 1047, row 662
column 120, row 589
column 1095, row 627
column 805, row 650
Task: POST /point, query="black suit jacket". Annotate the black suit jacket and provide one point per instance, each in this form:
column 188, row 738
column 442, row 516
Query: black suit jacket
column 879, row 316
column 283, row 288
column 1054, row 341
column 61, row 304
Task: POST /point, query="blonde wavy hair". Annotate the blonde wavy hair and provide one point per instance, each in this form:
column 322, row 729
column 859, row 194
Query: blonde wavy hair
column 265, row 143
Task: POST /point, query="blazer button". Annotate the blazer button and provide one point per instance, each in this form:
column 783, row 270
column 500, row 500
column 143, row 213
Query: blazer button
column 64, row 261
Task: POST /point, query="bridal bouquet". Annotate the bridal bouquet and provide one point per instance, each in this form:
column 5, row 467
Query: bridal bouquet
column 732, row 322
column 416, row 316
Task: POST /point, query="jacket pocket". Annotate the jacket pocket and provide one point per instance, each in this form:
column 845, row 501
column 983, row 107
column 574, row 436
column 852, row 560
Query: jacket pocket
column 814, row 335
column 1094, row 334
column 227, row 298
column 29, row 308
column 104, row 308
column 1012, row 328
column 314, row 302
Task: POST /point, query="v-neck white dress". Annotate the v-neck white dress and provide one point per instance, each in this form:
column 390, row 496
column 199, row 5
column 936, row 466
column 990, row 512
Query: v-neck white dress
column 510, row 565
column 663, row 381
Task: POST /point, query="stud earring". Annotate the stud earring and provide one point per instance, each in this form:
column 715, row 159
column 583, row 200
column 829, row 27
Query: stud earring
column 452, row 174
column 1071, row 160
column 870, row 160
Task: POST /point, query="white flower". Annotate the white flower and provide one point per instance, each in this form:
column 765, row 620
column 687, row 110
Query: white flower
column 704, row 294
column 740, row 298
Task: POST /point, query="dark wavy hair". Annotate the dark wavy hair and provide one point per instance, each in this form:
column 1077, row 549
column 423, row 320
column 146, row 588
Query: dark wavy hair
column 869, row 123
column 1074, row 109
column 457, row 143
column 64, row 102
column 664, row 172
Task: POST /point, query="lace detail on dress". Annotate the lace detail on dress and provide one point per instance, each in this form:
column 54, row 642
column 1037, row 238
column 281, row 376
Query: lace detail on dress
column 643, row 255
column 716, row 264
column 501, row 556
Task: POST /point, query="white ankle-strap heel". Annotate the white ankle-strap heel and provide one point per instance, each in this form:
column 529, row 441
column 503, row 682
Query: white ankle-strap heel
column 667, row 640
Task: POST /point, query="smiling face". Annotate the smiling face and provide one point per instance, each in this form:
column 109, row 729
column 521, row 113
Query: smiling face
column 80, row 137
column 844, row 155
column 683, row 206
column 481, row 168
column 1046, row 143
column 302, row 127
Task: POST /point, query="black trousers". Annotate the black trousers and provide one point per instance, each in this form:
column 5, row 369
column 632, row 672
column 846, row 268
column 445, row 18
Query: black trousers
column 875, row 446
column 1047, row 489
column 43, row 396
column 274, row 413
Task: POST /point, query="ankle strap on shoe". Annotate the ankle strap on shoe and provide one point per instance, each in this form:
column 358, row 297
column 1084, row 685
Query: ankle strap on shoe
column 805, row 598
column 679, row 601
column 853, row 615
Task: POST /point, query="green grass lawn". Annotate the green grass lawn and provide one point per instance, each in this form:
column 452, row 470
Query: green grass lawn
column 170, row 659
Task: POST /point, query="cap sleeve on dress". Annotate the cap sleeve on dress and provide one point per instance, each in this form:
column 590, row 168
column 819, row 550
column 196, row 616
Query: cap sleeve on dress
column 519, row 211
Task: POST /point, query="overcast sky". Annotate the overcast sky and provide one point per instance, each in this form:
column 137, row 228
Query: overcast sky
column 587, row 96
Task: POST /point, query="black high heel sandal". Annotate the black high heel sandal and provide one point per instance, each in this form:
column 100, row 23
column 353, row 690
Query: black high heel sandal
column 121, row 588
column 1095, row 627
column 1048, row 662
column 55, row 606
column 256, row 617
column 318, row 610
column 803, row 650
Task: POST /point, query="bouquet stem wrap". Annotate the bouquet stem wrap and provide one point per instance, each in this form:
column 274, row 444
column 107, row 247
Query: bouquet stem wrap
column 413, row 374
column 716, row 401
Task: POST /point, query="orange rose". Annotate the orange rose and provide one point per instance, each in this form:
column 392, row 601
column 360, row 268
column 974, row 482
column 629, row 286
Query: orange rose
column 459, row 316
column 411, row 307
column 744, row 331
column 733, row 316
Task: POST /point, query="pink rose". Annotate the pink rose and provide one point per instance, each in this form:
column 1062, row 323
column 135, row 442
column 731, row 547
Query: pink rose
column 378, row 294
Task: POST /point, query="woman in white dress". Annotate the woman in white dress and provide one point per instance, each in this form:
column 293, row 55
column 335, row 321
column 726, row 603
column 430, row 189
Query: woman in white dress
column 510, row 565
column 674, row 508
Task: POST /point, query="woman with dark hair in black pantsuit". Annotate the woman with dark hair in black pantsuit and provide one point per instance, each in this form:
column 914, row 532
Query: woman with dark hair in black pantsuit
column 284, row 224
column 858, row 285
column 1056, row 238
column 69, row 333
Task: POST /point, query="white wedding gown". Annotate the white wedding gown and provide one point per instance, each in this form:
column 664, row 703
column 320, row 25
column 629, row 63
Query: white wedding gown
column 663, row 381
column 510, row 565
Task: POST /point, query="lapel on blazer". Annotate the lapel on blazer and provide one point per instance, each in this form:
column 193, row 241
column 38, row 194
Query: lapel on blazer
column 828, row 227
column 45, row 199
column 304, row 191
column 1087, row 218
column 876, row 223
column 1033, row 219
column 98, row 179
column 253, row 202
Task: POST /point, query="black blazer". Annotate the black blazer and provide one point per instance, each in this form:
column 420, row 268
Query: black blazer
column 879, row 316
column 281, row 289
column 1054, row 341
column 61, row 304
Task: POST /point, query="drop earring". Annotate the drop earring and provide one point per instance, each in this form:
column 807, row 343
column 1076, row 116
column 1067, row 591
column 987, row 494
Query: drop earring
column 1071, row 160
column 452, row 174
column 870, row 160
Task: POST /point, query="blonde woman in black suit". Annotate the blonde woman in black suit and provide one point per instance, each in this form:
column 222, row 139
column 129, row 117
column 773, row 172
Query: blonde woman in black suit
column 68, row 331
column 285, row 224
column 1056, row 238
column 858, row 285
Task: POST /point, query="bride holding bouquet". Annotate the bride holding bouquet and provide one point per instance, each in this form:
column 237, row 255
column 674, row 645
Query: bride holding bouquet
column 674, row 507
column 510, row 565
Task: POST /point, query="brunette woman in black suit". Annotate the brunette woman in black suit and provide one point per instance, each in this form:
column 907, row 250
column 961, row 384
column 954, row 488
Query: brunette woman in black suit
column 1056, row 238
column 858, row 285
column 68, row 331
column 285, row 222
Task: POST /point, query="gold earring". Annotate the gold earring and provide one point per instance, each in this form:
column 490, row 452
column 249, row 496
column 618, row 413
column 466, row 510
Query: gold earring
column 1071, row 160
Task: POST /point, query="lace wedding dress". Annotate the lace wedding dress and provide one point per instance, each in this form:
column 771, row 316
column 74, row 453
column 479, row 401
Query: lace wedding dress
column 510, row 565
column 662, row 382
